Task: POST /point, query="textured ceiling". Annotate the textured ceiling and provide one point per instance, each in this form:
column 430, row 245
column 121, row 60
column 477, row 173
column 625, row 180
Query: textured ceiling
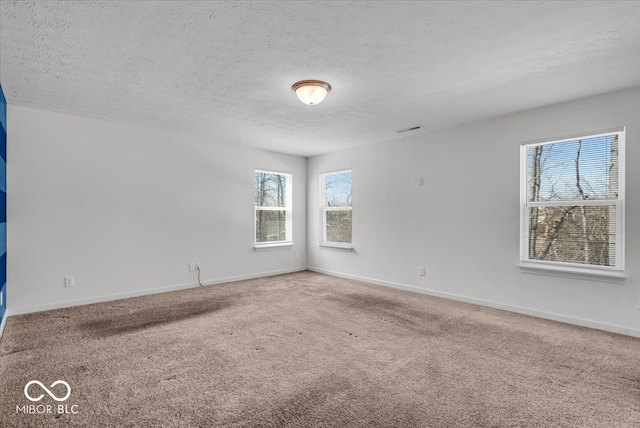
column 224, row 70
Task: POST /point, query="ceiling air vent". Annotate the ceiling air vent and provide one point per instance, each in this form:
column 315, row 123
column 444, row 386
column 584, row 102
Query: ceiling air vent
column 413, row 128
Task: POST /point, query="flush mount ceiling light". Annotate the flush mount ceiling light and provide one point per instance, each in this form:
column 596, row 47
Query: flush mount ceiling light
column 311, row 92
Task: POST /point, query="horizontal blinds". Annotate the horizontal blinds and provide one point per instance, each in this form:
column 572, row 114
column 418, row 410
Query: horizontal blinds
column 573, row 234
column 337, row 189
column 579, row 169
column 270, row 189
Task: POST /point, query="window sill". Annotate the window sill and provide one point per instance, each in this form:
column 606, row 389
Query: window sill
column 336, row 246
column 274, row 246
column 617, row 277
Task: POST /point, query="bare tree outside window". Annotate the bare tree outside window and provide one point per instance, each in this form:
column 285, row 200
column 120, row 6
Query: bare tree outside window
column 336, row 207
column 272, row 207
column 572, row 190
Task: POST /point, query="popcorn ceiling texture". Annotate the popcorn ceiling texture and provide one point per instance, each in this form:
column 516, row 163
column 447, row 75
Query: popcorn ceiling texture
column 224, row 70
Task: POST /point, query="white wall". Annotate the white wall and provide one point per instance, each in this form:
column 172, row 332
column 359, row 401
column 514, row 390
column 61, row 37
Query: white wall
column 463, row 224
column 125, row 209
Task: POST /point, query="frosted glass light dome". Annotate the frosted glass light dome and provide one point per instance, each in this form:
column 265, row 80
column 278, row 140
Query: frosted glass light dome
column 311, row 92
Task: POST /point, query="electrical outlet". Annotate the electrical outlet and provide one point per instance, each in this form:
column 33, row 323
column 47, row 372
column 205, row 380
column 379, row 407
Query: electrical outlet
column 638, row 305
column 192, row 267
column 69, row 281
column 421, row 271
column 197, row 266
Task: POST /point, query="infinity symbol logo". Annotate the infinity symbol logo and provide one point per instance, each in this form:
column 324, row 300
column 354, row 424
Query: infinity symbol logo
column 51, row 394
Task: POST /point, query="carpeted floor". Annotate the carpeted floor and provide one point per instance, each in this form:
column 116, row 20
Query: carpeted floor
column 309, row 350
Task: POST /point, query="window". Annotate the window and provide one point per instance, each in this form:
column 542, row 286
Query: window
column 572, row 195
column 273, row 208
column 335, row 191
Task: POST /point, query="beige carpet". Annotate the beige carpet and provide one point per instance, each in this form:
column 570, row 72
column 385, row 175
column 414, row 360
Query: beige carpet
column 308, row 350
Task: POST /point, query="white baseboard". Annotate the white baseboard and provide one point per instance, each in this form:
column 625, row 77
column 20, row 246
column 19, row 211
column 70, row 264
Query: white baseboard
column 512, row 308
column 145, row 292
column 254, row 275
column 491, row 304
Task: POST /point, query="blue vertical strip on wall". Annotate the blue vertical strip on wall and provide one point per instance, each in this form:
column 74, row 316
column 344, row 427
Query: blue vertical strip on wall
column 3, row 204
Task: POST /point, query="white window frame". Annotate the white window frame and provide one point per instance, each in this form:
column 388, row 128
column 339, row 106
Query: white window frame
column 575, row 270
column 288, row 241
column 324, row 209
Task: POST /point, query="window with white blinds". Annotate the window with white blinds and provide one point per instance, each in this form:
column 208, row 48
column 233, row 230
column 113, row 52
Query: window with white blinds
column 335, row 193
column 273, row 204
column 572, row 195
